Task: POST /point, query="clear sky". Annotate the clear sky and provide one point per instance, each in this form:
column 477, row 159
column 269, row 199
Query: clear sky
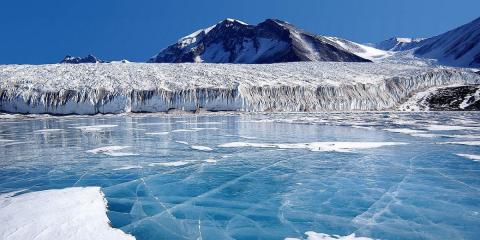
column 44, row 31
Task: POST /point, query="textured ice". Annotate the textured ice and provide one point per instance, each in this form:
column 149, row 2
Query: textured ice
column 314, row 146
column 424, row 189
column 469, row 143
column 137, row 87
column 71, row 213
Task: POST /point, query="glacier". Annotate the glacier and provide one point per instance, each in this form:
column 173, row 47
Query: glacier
column 295, row 87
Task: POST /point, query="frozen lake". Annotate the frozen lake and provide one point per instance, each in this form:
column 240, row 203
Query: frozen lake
column 263, row 176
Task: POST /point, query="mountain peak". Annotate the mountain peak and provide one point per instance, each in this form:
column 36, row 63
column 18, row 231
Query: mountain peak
column 399, row 44
column 76, row 60
column 231, row 20
column 271, row 41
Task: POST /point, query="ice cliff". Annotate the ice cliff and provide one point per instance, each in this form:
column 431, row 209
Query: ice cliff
column 140, row 87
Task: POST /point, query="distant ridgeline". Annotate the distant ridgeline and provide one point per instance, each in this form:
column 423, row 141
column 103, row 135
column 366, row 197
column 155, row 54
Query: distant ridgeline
column 276, row 41
column 77, row 60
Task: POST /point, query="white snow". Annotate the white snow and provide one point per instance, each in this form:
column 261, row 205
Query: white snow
column 201, row 148
column 71, row 213
column 404, row 130
column 48, row 130
column 157, row 133
column 112, row 151
column 473, row 157
column 323, row 236
column 315, row 146
column 170, row 164
column 449, row 128
column 467, row 101
column 128, row 167
column 360, row 50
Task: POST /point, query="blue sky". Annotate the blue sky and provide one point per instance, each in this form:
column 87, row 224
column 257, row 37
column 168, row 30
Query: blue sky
column 44, row 31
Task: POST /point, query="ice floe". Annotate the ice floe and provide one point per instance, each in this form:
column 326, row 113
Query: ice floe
column 449, row 128
column 470, row 156
column 315, row 146
column 112, row 151
column 128, row 167
column 157, row 133
column 49, row 130
column 404, row 130
column 95, row 128
column 70, row 213
column 201, row 148
column 170, row 164
column 184, row 130
column 322, row 236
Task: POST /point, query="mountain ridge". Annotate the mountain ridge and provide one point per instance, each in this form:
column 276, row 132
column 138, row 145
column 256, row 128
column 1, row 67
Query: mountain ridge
column 271, row 41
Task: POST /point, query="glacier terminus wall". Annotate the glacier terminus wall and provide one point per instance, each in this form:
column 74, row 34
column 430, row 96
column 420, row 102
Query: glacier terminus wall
column 142, row 87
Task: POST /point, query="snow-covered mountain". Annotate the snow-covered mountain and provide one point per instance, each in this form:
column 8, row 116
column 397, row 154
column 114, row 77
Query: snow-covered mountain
column 458, row 47
column 398, row 44
column 76, row 60
column 271, row 41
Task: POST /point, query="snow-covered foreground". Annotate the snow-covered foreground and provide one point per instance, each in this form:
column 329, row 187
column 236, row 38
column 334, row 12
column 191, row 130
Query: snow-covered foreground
column 335, row 175
column 70, row 213
column 136, row 87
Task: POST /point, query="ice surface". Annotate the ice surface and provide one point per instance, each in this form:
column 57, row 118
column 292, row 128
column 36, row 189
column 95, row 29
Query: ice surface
column 358, row 184
column 314, row 146
column 70, row 213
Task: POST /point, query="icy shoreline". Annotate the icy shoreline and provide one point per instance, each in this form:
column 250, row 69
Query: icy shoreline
column 70, row 213
column 294, row 87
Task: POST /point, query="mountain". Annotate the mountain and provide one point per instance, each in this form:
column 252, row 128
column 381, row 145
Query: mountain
column 458, row 47
column 271, row 41
column 77, row 60
column 398, row 44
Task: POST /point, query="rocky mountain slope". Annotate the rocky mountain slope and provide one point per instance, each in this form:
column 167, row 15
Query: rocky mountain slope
column 271, row 41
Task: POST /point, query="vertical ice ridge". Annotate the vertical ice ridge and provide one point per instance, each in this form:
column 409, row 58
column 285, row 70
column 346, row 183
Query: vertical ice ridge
column 242, row 96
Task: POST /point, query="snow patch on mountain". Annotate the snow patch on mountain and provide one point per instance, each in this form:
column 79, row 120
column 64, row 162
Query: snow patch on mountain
column 398, row 44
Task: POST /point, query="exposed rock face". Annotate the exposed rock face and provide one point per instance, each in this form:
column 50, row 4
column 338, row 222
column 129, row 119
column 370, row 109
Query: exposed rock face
column 272, row 41
column 452, row 98
column 76, row 60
